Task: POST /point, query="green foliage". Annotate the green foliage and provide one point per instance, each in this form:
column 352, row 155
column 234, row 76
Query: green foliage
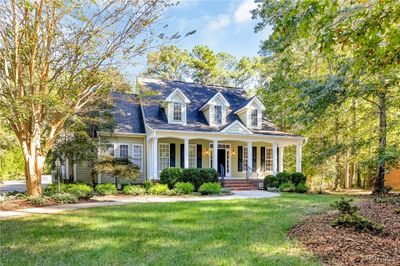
column 226, row 191
column 270, row 181
column 210, row 188
column 287, row 187
column 117, row 167
column 134, row 190
column 302, row 188
column 283, row 177
column 12, row 164
column 78, row 190
column 64, row 198
column 147, row 184
column 208, row 175
column 184, row 187
column 170, row 176
column 106, row 189
column 359, row 223
column 297, row 178
column 158, row 189
column 344, row 206
column 349, row 217
column 37, row 201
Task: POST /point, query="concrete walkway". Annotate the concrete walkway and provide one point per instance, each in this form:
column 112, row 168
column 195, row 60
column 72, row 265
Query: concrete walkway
column 112, row 201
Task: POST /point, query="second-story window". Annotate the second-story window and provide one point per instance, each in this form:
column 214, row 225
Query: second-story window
column 177, row 111
column 218, row 114
column 254, row 117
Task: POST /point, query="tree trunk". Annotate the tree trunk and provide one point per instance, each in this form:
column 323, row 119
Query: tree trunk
column 337, row 155
column 380, row 178
column 34, row 163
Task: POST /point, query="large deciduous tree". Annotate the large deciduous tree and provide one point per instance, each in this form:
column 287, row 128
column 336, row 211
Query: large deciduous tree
column 52, row 54
column 355, row 47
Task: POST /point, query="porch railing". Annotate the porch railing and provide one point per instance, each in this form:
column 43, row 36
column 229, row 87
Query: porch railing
column 250, row 170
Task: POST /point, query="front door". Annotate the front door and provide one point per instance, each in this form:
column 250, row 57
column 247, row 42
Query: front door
column 222, row 162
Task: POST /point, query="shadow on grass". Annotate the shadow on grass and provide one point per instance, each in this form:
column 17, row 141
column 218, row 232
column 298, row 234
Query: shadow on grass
column 246, row 232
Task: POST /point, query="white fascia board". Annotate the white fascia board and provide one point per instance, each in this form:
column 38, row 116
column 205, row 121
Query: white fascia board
column 120, row 134
column 255, row 100
column 237, row 122
column 209, row 102
column 177, row 91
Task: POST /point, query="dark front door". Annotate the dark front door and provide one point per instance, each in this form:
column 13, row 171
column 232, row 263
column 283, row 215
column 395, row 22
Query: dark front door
column 221, row 162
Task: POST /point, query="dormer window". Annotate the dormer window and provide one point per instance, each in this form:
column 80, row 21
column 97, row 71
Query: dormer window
column 177, row 111
column 218, row 114
column 254, row 117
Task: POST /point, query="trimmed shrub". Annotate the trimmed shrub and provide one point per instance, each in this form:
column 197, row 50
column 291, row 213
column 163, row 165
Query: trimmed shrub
column 79, row 190
column 158, row 189
column 193, row 176
column 298, row 178
column 302, row 188
column 106, row 189
column 64, row 198
column 283, row 177
column 287, row 187
column 226, row 191
column 134, row 190
column 210, row 188
column 208, row 175
column 184, row 188
column 270, row 181
column 147, row 184
column 170, row 176
column 172, row 192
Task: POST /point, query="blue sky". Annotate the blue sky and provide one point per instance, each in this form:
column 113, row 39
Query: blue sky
column 223, row 25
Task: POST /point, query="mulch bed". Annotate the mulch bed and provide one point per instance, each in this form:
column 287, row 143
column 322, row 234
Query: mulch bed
column 345, row 246
column 17, row 204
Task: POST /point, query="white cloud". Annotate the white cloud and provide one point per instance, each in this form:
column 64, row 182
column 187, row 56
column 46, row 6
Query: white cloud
column 220, row 22
column 242, row 13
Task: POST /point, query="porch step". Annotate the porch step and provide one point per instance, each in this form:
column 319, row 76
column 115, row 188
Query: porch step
column 240, row 185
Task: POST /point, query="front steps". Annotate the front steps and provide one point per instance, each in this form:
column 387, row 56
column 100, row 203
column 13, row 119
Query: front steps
column 241, row 184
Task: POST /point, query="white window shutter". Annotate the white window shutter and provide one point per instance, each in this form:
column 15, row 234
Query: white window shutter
column 259, row 118
column 223, row 115
column 170, row 112
column 184, row 113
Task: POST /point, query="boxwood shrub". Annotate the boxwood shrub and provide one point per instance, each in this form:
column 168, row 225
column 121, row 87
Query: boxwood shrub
column 208, row 175
column 270, row 181
column 210, row 188
column 170, row 176
column 283, row 177
column 298, row 178
column 287, row 187
column 78, row 190
column 106, row 189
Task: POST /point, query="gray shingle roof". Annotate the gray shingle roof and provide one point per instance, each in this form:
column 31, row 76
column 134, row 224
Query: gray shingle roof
column 155, row 91
column 127, row 113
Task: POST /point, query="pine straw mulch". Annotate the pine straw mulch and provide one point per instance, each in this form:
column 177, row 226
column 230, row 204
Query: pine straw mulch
column 345, row 246
column 18, row 204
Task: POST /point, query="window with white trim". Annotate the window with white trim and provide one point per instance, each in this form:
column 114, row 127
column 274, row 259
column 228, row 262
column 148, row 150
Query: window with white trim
column 177, row 116
column 268, row 159
column 254, row 117
column 137, row 156
column 192, row 156
column 245, row 157
column 110, row 150
column 123, row 151
column 163, row 156
column 218, row 114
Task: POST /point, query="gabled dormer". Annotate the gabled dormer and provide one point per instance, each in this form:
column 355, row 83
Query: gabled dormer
column 251, row 113
column 215, row 110
column 175, row 106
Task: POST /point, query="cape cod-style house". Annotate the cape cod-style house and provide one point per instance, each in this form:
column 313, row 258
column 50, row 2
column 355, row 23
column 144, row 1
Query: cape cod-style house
column 179, row 124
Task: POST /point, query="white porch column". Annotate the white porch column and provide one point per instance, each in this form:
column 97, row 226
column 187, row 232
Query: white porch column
column 249, row 157
column 298, row 157
column 281, row 150
column 215, row 155
column 66, row 167
column 155, row 157
column 186, row 153
column 274, row 158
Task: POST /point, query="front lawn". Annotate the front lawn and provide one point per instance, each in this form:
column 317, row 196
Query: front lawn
column 245, row 232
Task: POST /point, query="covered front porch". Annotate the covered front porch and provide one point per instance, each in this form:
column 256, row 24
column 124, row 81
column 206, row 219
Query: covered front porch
column 234, row 156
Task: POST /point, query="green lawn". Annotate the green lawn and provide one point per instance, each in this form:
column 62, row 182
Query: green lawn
column 245, row 232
